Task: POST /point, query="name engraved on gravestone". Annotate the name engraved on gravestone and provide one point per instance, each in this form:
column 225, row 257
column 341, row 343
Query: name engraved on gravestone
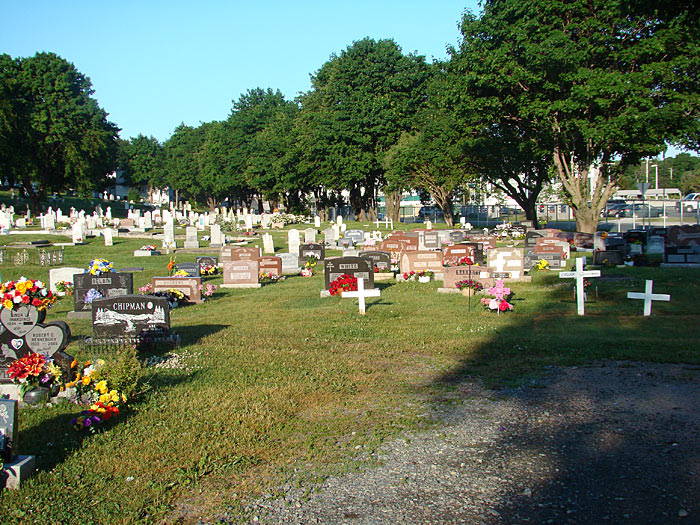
column 421, row 261
column 47, row 339
column 290, row 263
column 192, row 268
column 608, row 257
column 309, row 250
column 379, row 260
column 108, row 285
column 243, row 271
column 355, row 266
column 453, row 274
column 9, row 430
column 583, row 241
column 532, row 236
column 456, row 236
column 187, row 285
column 531, row 258
column 431, row 240
column 130, row 315
column 271, row 264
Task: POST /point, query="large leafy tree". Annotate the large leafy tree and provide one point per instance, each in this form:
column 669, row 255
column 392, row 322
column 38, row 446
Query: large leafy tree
column 144, row 158
column 54, row 132
column 596, row 83
column 360, row 103
column 180, row 161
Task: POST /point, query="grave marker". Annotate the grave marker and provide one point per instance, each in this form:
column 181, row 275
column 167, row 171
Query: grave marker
column 356, row 266
column 111, row 284
column 361, row 293
column 243, row 273
column 579, row 274
column 188, row 285
column 130, row 315
column 271, row 264
column 312, row 250
column 648, row 297
column 290, row 263
column 192, row 268
column 421, row 261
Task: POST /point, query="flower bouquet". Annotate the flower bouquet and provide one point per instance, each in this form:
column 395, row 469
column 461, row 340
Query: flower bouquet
column 208, row 269
column 174, row 297
column 344, row 283
column 208, row 290
column 148, row 248
column 180, row 273
column 25, row 292
column 423, row 276
column 266, row 277
column 89, row 389
column 64, row 288
column 91, row 295
column 34, row 370
column 307, row 272
column 309, row 265
column 100, row 266
column 498, row 303
column 542, row 265
column 171, row 266
column 147, row 289
column 470, row 286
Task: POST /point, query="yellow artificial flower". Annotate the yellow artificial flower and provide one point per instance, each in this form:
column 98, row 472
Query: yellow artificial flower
column 86, row 380
column 8, row 304
column 123, row 398
column 114, row 396
column 101, row 387
column 104, row 398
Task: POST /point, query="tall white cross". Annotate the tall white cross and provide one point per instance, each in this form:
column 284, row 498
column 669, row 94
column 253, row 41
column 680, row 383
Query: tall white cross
column 361, row 293
column 648, row 297
column 579, row 274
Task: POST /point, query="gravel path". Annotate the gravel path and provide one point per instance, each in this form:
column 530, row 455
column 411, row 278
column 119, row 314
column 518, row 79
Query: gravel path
column 610, row 443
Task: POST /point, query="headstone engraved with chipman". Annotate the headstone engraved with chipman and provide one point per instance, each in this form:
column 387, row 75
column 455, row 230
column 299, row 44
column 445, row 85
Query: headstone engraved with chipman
column 130, row 316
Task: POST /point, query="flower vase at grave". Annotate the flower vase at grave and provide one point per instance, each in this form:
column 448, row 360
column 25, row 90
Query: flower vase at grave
column 467, row 292
column 36, row 395
column 424, row 279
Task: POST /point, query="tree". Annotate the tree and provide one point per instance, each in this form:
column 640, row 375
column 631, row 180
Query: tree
column 56, row 134
column 181, row 152
column 145, row 159
column 360, row 103
column 598, row 85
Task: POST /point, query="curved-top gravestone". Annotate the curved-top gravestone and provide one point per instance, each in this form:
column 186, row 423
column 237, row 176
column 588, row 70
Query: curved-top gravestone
column 22, row 332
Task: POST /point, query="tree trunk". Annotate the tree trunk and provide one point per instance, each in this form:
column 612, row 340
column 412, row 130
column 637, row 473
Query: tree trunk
column 392, row 200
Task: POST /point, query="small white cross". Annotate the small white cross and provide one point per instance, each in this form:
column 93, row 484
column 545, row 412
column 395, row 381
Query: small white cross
column 648, row 297
column 361, row 293
column 579, row 274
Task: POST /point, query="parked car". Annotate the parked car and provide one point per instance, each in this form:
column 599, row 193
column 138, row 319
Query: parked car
column 640, row 210
column 613, row 210
column 689, row 203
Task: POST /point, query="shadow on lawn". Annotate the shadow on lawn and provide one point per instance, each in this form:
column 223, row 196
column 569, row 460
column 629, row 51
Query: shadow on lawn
column 54, row 439
column 193, row 334
column 588, row 444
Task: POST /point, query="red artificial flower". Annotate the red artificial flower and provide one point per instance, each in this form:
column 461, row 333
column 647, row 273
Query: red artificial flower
column 25, row 299
column 36, row 302
column 503, row 306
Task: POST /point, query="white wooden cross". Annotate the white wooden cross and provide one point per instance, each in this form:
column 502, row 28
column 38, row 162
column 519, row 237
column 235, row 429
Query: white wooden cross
column 361, row 293
column 648, row 297
column 579, row 274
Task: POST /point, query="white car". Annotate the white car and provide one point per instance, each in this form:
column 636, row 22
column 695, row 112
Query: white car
column 689, row 203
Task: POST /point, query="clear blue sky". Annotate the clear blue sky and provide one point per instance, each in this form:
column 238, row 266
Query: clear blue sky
column 154, row 64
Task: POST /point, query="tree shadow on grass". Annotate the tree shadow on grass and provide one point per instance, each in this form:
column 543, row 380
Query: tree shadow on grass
column 53, row 440
column 608, row 441
column 193, row 334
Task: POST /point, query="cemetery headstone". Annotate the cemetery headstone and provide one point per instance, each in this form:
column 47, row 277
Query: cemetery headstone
column 356, row 266
column 9, row 429
column 243, row 273
column 237, row 253
column 293, row 241
column 608, row 258
column 169, row 236
column 421, row 261
column 130, row 316
column 191, row 238
column 207, row 260
column 506, row 263
column 452, row 254
column 579, row 275
column 192, row 268
column 108, row 235
column 290, row 263
column 271, row 264
column 309, row 235
column 311, row 250
column 89, row 286
column 187, row 285
column 268, row 244
column 454, row 274
column 379, row 260
column 330, row 236
column 216, row 239
column 354, row 237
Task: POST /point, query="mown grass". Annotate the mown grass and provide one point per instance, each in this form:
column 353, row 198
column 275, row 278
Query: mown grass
column 287, row 387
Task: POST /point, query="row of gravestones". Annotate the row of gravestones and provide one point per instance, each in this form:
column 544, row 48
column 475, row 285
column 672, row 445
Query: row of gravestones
column 676, row 245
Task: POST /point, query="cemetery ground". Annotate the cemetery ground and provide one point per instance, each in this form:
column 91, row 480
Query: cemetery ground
column 277, row 387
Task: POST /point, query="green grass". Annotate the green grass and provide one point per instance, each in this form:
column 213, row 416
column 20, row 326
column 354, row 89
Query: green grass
column 285, row 385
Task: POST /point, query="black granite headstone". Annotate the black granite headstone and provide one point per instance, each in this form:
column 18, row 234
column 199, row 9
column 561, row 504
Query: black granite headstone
column 111, row 284
column 129, row 315
column 192, row 268
column 380, row 260
column 311, row 249
column 9, row 429
column 356, row 266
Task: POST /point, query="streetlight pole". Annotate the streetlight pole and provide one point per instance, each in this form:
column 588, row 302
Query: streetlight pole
column 647, row 181
column 656, row 167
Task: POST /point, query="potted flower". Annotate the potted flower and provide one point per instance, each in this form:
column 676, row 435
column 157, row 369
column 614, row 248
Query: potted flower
column 36, row 375
column 469, row 287
column 267, row 277
column 64, row 288
column 424, row 276
column 344, row 283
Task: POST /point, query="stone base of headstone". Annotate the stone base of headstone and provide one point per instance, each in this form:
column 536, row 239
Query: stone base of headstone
column 9, row 391
column 449, row 290
column 191, row 245
column 215, row 245
column 250, row 285
column 14, row 472
column 384, row 276
column 291, row 271
column 325, row 293
column 146, row 253
column 79, row 315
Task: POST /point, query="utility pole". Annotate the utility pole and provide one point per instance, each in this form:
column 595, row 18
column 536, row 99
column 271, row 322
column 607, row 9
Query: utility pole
column 647, row 180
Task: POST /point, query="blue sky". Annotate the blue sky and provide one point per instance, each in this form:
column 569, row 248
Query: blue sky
column 154, row 64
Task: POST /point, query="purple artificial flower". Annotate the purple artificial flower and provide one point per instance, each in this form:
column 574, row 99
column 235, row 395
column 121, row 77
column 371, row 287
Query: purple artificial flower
column 45, row 379
column 91, row 295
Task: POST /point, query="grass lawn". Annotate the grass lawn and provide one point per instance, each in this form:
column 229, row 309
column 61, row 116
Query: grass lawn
column 282, row 385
